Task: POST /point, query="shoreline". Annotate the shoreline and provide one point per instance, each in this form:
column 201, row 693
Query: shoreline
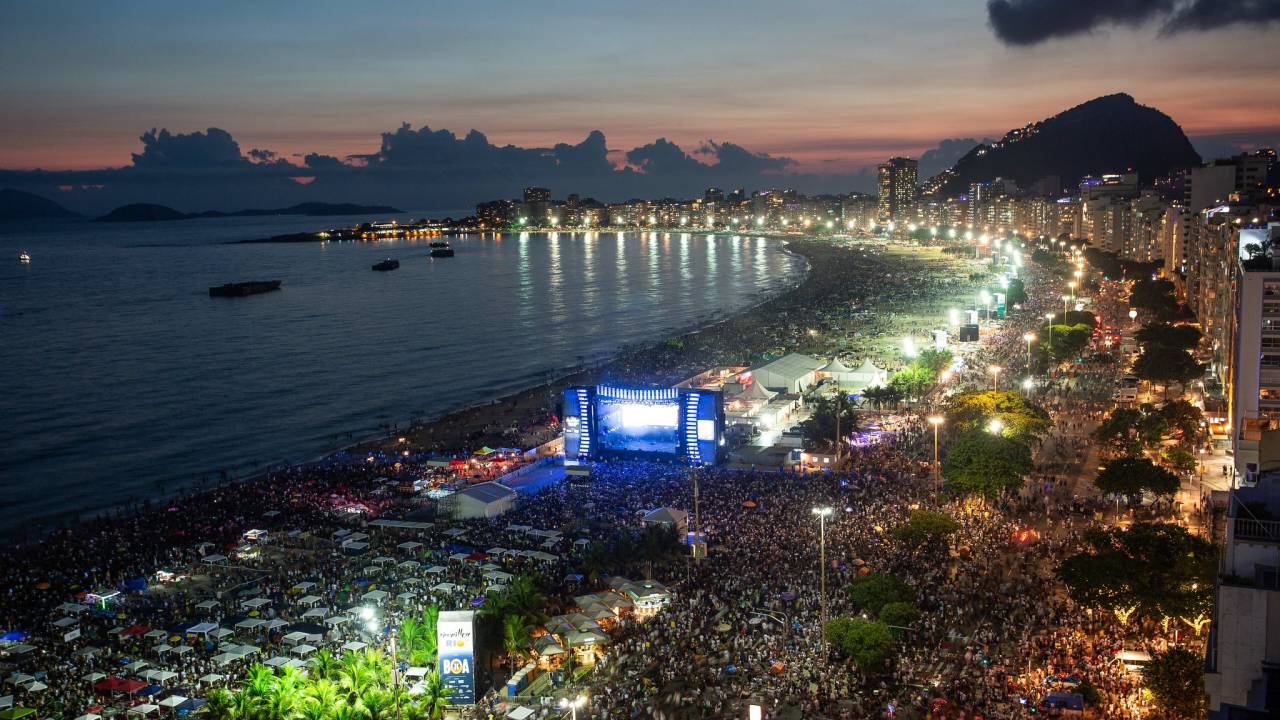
column 659, row 361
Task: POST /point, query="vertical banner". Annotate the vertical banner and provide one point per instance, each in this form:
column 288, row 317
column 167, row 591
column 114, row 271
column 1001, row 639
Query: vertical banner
column 455, row 637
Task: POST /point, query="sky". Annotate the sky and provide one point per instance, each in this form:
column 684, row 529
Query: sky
column 832, row 87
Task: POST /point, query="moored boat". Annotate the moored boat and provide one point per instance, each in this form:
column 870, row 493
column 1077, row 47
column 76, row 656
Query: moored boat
column 24, row 258
column 242, row 289
column 386, row 265
column 442, row 252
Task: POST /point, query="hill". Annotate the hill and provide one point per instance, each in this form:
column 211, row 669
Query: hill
column 146, row 212
column 1112, row 133
column 18, row 205
column 143, row 212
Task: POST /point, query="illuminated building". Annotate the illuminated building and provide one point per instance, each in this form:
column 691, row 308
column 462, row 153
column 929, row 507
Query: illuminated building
column 897, row 188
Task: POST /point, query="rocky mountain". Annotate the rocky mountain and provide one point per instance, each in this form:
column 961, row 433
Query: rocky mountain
column 18, row 205
column 147, row 212
column 1109, row 134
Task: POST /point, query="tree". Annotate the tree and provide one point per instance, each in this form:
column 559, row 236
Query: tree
column 220, row 705
column 433, row 700
column 1121, row 430
column 1154, row 295
column 1016, row 293
column 1131, row 476
column 1164, row 366
column 323, row 664
column 1075, row 317
column 1185, row 422
column 1171, row 337
column 1180, row 459
column 882, row 397
column 819, row 431
column 925, row 526
column 867, row 642
column 899, row 614
column 935, row 359
column 974, row 410
column 912, row 381
column 872, row 592
column 515, row 637
column 1175, row 679
column 1065, row 342
column 985, row 464
column 1155, row 570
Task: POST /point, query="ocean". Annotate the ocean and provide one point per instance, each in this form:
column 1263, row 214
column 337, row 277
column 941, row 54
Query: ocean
column 122, row 379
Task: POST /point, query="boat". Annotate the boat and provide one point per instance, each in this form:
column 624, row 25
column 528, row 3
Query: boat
column 24, row 258
column 243, row 289
column 386, row 265
column 445, row 251
column 440, row 244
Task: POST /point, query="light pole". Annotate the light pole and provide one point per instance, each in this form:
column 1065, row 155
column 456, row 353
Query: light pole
column 1030, row 338
column 1065, row 299
column 995, row 376
column 395, row 671
column 573, row 705
column 1133, row 317
column 1072, row 285
column 935, row 421
column 823, row 513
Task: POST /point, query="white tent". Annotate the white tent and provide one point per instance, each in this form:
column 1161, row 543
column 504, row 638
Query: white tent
column 674, row 518
column 303, row 586
column 791, row 373
column 303, row 650
column 207, row 604
column 255, row 603
column 317, row 613
column 203, row 628
column 354, row 646
column 437, row 569
column 309, row 600
column 172, row 701
column 867, row 375
column 212, row 678
column 295, row 637
column 144, row 709
column 375, row 596
column 485, row 500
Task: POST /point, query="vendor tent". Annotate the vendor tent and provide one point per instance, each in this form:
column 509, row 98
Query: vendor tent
column 485, row 500
column 676, row 519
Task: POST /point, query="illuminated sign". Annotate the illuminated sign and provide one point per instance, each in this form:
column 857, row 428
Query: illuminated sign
column 455, row 638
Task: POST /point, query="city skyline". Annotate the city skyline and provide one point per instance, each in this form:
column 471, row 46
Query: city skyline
column 817, row 89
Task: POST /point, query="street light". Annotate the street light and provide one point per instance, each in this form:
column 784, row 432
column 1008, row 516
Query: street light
column 823, row 513
column 995, row 376
column 1030, row 338
column 936, row 421
column 995, row 426
column 573, row 705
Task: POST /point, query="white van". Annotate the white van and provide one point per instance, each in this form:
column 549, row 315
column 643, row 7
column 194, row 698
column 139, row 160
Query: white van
column 1134, row 660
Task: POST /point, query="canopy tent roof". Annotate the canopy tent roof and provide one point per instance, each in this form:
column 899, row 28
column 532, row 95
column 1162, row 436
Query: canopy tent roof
column 487, row 492
column 667, row 515
column 835, row 367
column 756, row 392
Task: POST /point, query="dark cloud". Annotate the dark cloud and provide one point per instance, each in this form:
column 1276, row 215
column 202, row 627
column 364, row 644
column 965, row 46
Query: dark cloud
column 662, row 157
column 213, row 148
column 735, row 158
column 1212, row 14
column 417, row 169
column 1028, row 22
column 946, row 154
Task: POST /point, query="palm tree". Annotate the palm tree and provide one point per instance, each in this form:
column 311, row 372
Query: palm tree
column 377, row 664
column 346, row 711
column 220, row 705
column 281, row 704
column 378, row 704
column 410, row 636
column 515, row 637
column 323, row 691
column 291, row 679
column 324, row 665
column 526, row 599
column 355, row 680
column 433, row 699
column 245, row 706
column 260, row 681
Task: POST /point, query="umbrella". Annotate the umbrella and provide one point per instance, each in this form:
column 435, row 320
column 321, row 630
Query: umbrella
column 749, row 504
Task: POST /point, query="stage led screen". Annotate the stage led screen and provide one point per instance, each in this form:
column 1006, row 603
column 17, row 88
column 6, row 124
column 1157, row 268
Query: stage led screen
column 640, row 426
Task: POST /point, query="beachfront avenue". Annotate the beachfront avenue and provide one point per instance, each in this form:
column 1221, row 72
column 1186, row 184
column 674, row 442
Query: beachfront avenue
column 932, row 549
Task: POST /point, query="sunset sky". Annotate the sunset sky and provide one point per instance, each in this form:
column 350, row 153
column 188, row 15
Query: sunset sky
column 834, row 85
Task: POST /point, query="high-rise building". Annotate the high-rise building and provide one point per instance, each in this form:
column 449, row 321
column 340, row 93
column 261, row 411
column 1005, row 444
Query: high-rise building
column 1254, row 339
column 713, row 195
column 898, row 189
column 537, row 194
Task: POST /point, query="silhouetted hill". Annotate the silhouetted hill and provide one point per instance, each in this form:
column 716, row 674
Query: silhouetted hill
column 146, row 212
column 1112, row 133
column 143, row 212
column 18, row 205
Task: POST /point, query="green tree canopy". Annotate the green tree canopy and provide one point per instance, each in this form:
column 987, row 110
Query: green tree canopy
column 1172, row 337
column 1175, row 679
column 913, row 381
column 1131, row 476
column 900, row 614
column 1016, row 293
column 1075, row 317
column 1164, row 366
column 1154, row 295
column 987, row 465
column 925, row 526
column 974, row 410
column 1157, row 570
column 819, row 431
column 872, row 592
column 867, row 642
column 1065, row 342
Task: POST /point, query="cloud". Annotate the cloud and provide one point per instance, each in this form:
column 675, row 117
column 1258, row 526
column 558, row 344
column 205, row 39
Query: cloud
column 418, row 169
column 946, row 154
column 735, row 158
column 213, row 148
column 1029, row 22
column 1213, row 14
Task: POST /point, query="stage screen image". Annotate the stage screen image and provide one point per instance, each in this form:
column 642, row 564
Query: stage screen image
column 640, row 426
